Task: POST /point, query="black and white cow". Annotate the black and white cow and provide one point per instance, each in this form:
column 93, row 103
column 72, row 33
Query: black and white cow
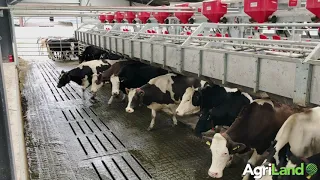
column 161, row 93
column 93, row 53
column 219, row 105
column 114, row 70
column 133, row 75
column 62, row 49
column 85, row 75
column 301, row 132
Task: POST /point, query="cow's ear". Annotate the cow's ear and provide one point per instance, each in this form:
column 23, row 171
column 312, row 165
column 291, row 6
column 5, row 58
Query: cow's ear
column 62, row 72
column 127, row 90
column 237, row 147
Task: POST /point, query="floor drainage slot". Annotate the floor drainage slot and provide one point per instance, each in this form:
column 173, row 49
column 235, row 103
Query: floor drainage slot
column 82, row 146
column 72, row 115
column 104, row 164
column 101, row 143
column 94, row 167
column 118, row 139
column 119, row 169
column 86, row 112
column 80, row 127
column 96, row 124
column 79, row 113
column 88, row 126
column 92, row 144
column 141, row 166
column 130, row 167
column 64, row 114
column 93, row 111
column 74, row 132
column 109, row 141
column 104, row 124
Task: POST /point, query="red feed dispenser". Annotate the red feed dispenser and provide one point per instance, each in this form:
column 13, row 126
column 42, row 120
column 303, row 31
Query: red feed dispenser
column 119, row 16
column 314, row 7
column 110, row 17
column 260, row 10
column 102, row 18
column 160, row 16
column 143, row 16
column 130, row 16
column 214, row 10
column 183, row 16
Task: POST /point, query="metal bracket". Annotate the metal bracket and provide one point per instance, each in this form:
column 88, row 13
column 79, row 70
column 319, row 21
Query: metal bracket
column 314, row 55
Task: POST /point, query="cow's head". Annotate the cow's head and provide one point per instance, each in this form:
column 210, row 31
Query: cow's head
column 186, row 107
column 64, row 79
column 222, row 148
column 135, row 97
column 115, row 82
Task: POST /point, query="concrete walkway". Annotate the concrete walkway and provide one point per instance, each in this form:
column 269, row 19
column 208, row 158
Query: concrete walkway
column 15, row 120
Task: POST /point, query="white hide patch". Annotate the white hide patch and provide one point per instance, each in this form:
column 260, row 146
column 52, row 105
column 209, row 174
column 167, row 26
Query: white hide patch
column 111, row 62
column 262, row 101
column 290, row 132
column 231, row 89
column 115, row 82
column 247, row 96
column 202, row 83
column 92, row 64
column 164, row 83
column 85, row 82
column 185, row 107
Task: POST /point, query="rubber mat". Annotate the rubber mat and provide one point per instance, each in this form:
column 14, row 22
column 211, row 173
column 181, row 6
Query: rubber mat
column 70, row 138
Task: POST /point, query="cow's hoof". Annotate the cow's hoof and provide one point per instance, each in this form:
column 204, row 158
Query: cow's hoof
column 93, row 100
column 149, row 128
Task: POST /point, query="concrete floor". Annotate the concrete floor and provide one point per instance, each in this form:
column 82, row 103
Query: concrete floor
column 69, row 138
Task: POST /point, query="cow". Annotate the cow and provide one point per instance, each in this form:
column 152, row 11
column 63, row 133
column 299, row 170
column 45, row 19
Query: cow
column 161, row 93
column 93, row 53
column 85, row 75
column 133, row 75
column 107, row 75
column 287, row 159
column 302, row 134
column 255, row 128
column 62, row 48
column 219, row 105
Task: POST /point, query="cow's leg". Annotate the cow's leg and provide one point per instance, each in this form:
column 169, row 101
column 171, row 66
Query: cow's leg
column 83, row 94
column 110, row 100
column 94, row 87
column 123, row 97
column 254, row 159
column 153, row 118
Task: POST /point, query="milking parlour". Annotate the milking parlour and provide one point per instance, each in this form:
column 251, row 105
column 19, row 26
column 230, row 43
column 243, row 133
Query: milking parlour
column 160, row 89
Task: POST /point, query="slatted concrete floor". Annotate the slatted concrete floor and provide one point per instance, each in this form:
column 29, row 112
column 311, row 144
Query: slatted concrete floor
column 69, row 138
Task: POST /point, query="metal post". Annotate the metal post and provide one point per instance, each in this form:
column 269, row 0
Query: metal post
column 6, row 161
column 14, row 42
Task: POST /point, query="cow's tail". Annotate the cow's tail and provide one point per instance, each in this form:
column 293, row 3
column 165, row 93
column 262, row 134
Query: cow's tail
column 283, row 134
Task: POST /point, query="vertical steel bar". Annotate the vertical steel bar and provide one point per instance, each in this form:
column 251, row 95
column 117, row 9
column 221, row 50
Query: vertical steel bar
column 257, row 79
column 200, row 63
column 225, row 68
column 14, row 41
column 6, row 162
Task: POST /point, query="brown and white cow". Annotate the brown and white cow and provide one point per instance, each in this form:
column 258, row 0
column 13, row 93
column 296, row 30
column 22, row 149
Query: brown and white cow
column 255, row 128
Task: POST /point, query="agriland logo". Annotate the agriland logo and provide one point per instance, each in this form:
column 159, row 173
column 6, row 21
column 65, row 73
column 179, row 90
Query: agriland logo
column 260, row 171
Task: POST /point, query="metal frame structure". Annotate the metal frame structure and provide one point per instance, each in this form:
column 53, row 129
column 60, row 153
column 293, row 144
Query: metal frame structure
column 281, row 67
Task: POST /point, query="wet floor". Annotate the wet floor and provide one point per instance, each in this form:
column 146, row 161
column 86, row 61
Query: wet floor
column 70, row 138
